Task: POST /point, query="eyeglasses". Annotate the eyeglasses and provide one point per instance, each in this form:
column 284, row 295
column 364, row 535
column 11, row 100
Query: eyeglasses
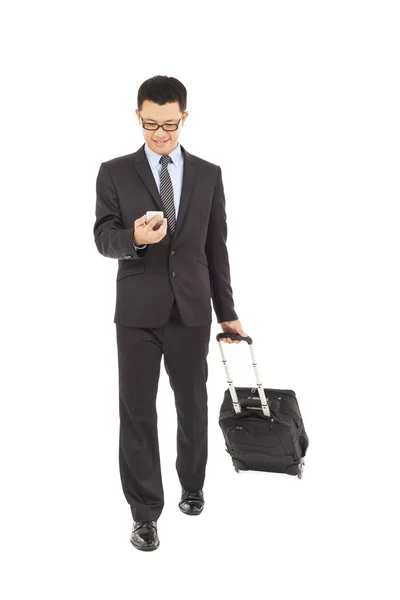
column 165, row 126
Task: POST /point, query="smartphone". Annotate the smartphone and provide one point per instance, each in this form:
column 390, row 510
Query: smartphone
column 150, row 214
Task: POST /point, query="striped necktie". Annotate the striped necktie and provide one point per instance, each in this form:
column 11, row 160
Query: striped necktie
column 167, row 194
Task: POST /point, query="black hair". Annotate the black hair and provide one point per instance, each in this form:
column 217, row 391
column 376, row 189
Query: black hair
column 162, row 89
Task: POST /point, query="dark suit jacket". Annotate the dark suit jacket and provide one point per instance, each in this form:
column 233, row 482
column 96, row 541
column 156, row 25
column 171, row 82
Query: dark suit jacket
column 192, row 265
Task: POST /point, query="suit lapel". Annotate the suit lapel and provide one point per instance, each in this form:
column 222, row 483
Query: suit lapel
column 190, row 165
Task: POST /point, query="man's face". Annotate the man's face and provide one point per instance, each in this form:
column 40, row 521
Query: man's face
column 161, row 115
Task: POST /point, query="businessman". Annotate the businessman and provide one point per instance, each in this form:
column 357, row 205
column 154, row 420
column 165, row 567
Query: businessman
column 168, row 272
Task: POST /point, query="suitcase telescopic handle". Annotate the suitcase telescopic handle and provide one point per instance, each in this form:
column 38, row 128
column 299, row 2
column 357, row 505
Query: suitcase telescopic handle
column 232, row 389
column 234, row 336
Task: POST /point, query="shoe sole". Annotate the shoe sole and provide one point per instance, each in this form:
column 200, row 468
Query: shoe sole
column 191, row 514
column 145, row 549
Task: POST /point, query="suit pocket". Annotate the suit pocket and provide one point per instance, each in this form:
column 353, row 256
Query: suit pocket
column 133, row 269
column 204, row 276
column 202, row 263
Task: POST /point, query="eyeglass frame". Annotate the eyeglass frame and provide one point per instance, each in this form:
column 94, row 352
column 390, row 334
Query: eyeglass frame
column 162, row 126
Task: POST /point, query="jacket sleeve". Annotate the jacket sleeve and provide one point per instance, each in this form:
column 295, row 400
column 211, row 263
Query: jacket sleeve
column 111, row 238
column 217, row 256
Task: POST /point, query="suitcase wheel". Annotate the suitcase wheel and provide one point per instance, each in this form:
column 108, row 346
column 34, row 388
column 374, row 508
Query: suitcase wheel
column 239, row 465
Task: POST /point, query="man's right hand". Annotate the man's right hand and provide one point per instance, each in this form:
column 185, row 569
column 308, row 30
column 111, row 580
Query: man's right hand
column 144, row 232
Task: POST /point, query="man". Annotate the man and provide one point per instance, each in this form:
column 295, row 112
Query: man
column 168, row 271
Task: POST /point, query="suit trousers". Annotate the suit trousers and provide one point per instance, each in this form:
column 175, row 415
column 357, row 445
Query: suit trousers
column 185, row 351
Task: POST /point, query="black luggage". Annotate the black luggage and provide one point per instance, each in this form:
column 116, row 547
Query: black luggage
column 263, row 431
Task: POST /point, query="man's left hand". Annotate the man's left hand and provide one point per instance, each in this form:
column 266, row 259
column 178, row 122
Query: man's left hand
column 232, row 327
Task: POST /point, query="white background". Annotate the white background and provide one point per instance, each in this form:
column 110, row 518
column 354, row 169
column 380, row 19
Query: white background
column 298, row 102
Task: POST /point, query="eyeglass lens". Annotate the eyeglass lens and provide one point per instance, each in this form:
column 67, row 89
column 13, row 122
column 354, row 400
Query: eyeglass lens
column 166, row 126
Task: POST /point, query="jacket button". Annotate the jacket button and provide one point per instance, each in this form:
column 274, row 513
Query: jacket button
column 173, row 274
column 172, row 252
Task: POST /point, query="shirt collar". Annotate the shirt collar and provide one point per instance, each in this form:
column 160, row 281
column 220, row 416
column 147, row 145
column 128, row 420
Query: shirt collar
column 154, row 157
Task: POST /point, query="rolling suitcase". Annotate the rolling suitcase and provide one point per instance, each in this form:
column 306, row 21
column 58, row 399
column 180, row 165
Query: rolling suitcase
column 263, row 431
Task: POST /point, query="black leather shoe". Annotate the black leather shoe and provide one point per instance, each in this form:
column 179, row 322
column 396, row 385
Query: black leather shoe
column 144, row 535
column 191, row 503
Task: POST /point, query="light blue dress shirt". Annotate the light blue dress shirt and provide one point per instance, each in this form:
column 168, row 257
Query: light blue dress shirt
column 175, row 170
